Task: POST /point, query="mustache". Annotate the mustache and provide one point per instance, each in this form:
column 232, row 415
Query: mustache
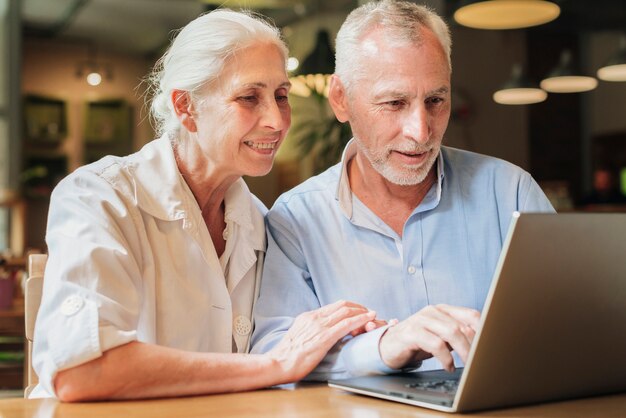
column 410, row 149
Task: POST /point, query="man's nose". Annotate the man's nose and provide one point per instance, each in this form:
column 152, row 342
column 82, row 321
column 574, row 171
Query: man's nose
column 417, row 125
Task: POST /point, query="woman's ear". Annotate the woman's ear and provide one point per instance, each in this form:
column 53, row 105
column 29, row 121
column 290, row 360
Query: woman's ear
column 338, row 99
column 183, row 106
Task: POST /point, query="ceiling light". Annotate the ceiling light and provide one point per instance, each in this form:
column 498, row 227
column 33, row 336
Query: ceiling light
column 506, row 14
column 615, row 68
column 292, row 63
column 94, row 79
column 563, row 79
column 519, row 90
column 92, row 70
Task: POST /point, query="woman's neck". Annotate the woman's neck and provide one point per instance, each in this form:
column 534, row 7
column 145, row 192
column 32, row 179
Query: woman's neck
column 208, row 186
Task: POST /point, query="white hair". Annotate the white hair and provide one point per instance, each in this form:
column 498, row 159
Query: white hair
column 197, row 55
column 402, row 21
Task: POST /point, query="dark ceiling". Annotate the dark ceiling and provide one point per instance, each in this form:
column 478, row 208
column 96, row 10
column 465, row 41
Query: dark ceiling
column 143, row 26
column 577, row 15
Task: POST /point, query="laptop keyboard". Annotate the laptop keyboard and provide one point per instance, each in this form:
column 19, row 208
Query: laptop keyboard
column 439, row 386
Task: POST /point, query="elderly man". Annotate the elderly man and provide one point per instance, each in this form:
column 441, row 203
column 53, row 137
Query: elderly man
column 403, row 225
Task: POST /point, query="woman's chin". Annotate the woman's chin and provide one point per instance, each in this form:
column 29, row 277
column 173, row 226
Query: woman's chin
column 259, row 170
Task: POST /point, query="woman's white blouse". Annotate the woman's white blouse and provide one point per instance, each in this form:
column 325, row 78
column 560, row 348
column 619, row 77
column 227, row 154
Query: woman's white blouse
column 130, row 258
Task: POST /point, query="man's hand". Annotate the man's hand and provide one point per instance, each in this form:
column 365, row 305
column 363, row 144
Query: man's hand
column 432, row 332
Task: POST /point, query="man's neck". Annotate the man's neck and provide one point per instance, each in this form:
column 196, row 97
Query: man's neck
column 392, row 203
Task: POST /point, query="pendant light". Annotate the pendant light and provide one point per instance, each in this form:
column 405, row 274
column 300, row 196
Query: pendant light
column 519, row 90
column 563, row 79
column 315, row 70
column 506, row 14
column 93, row 70
column 615, row 68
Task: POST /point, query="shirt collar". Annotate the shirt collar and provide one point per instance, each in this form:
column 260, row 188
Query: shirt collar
column 170, row 198
column 159, row 187
column 241, row 209
column 344, row 193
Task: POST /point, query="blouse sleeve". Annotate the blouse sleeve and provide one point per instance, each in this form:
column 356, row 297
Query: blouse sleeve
column 92, row 283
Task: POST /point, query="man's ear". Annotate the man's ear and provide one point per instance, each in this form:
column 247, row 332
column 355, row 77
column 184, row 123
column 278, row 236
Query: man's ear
column 183, row 106
column 338, row 99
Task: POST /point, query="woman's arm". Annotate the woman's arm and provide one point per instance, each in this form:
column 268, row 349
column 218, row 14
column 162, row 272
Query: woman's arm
column 139, row 370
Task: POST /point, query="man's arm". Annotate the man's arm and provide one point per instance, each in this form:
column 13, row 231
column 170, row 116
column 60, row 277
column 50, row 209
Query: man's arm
column 531, row 197
column 287, row 290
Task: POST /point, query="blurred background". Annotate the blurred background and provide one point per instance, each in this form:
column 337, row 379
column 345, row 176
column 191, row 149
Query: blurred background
column 547, row 93
column 71, row 92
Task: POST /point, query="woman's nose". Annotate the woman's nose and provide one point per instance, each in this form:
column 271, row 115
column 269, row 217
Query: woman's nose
column 274, row 116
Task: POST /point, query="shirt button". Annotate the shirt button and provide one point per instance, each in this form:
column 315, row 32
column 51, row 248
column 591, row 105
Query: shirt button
column 71, row 305
column 411, row 270
column 242, row 325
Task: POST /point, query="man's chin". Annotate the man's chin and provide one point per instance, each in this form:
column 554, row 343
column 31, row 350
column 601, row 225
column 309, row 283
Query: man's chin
column 407, row 176
column 405, row 179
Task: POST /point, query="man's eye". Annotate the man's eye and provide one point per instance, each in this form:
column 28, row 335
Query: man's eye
column 248, row 99
column 435, row 100
column 395, row 103
column 282, row 99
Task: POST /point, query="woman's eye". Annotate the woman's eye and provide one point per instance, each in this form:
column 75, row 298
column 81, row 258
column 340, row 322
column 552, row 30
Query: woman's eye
column 282, row 99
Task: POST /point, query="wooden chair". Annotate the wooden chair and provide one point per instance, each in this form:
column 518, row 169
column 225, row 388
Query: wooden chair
column 32, row 300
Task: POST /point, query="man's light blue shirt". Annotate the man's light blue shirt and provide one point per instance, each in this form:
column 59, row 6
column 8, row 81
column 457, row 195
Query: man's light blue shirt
column 324, row 245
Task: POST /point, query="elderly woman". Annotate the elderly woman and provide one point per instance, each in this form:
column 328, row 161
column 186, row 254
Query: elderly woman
column 154, row 258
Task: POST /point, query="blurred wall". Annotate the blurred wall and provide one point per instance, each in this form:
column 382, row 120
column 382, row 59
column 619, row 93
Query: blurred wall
column 49, row 69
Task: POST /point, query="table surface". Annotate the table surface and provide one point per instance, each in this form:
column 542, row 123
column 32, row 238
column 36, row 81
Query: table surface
column 310, row 401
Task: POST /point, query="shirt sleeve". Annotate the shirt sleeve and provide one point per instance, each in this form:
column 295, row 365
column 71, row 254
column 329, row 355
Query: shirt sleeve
column 531, row 197
column 287, row 290
column 90, row 301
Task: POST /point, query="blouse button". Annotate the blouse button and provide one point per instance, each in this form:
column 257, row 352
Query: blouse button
column 71, row 305
column 242, row 325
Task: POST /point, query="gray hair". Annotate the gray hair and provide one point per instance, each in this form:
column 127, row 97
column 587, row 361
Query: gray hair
column 197, row 55
column 402, row 22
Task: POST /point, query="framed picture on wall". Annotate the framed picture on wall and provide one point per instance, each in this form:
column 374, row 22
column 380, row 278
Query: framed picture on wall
column 108, row 129
column 42, row 173
column 107, row 122
column 45, row 120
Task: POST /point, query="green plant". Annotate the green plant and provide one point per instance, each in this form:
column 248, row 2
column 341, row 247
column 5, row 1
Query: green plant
column 322, row 134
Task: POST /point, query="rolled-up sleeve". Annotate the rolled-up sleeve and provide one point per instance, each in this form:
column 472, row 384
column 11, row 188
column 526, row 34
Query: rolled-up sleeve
column 92, row 281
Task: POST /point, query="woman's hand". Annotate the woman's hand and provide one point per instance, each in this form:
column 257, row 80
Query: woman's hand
column 314, row 333
column 372, row 325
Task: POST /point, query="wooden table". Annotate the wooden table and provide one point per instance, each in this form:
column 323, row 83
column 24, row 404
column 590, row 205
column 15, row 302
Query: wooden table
column 310, row 401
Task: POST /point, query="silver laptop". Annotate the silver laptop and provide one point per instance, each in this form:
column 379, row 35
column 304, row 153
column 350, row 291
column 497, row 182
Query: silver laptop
column 553, row 326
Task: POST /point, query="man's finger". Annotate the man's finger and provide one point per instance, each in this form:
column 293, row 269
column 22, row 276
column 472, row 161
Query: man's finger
column 470, row 317
column 438, row 348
